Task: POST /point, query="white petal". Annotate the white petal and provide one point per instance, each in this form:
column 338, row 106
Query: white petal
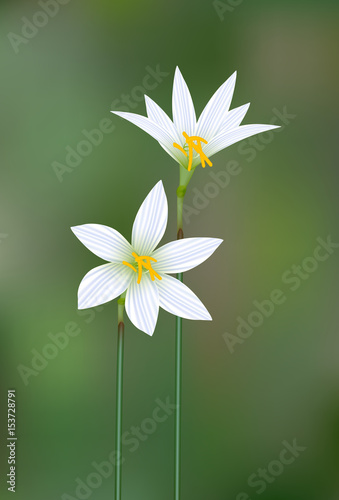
column 182, row 106
column 178, row 299
column 230, row 137
column 142, row 304
column 181, row 255
column 214, row 114
column 158, row 115
column 151, row 220
column 152, row 128
column 234, row 118
column 104, row 242
column 103, row 283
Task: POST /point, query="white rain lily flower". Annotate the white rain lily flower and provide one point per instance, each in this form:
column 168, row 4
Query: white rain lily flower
column 141, row 269
column 188, row 140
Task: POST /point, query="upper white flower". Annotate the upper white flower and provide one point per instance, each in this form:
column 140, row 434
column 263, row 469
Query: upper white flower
column 142, row 270
column 217, row 127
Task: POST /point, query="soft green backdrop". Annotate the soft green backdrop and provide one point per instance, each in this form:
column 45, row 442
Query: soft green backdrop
column 281, row 383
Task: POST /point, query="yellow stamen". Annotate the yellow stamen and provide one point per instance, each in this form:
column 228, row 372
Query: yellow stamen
column 143, row 261
column 197, row 147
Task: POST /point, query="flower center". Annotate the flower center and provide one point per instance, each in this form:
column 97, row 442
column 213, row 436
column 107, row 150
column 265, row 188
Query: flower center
column 196, row 146
column 143, row 261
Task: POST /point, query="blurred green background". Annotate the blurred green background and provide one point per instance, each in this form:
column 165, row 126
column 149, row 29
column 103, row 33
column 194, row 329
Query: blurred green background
column 282, row 382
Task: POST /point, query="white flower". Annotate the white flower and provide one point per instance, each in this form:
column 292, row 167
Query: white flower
column 216, row 129
column 142, row 270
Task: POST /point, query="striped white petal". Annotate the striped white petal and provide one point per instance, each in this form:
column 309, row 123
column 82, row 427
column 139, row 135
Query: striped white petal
column 103, row 283
column 234, row 118
column 152, row 128
column 151, row 220
column 182, row 107
column 158, row 115
column 104, row 242
column 142, row 304
column 178, row 299
column 214, row 114
column 181, row 255
column 230, row 137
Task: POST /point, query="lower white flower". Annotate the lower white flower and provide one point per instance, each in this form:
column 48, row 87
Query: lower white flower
column 142, row 270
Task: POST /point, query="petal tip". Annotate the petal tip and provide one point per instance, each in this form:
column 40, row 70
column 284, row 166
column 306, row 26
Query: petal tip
column 160, row 184
column 205, row 316
column 178, row 74
column 81, row 305
column 74, row 229
column 217, row 242
column 149, row 333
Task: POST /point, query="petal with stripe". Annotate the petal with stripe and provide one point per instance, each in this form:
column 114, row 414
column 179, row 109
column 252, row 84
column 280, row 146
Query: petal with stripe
column 103, row 241
column 157, row 115
column 234, row 118
column 142, row 304
column 178, row 299
column 229, row 137
column 182, row 255
column 216, row 109
column 182, row 106
column 103, row 283
column 150, row 127
column 151, row 220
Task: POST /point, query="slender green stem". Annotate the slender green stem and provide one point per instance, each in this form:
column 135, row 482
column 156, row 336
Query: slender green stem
column 178, row 385
column 185, row 177
column 119, row 394
column 180, row 206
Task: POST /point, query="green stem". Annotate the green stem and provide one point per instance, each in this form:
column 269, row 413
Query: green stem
column 119, row 394
column 180, row 206
column 178, row 385
column 185, row 177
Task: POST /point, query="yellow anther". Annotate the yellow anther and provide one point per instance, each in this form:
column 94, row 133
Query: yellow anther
column 129, row 265
column 143, row 261
column 197, row 148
